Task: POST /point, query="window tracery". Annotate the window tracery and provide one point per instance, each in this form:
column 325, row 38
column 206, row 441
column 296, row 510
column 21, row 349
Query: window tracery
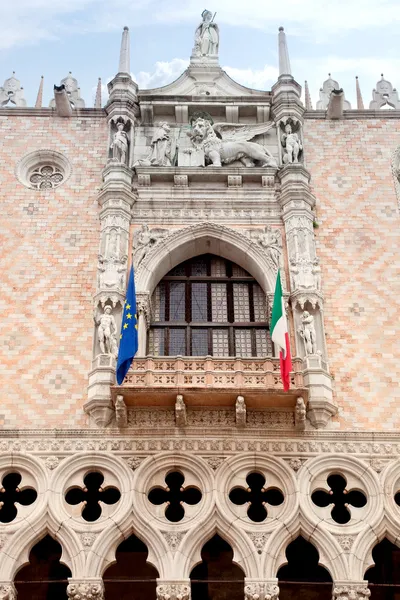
column 209, row 306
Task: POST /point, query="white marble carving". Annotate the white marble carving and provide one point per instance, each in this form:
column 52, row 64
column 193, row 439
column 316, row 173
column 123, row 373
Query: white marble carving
column 162, row 148
column 12, row 92
column 308, row 333
column 291, row 141
column 325, row 93
column 144, row 240
column 206, row 37
column 180, row 411
column 240, row 410
column 384, row 96
column 107, row 331
column 300, row 414
column 232, row 144
column 120, row 144
column 271, row 240
column 121, row 413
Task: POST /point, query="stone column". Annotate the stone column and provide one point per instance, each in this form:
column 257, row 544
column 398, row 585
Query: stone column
column 7, row 590
column 261, row 589
column 306, row 297
column 144, row 317
column 85, row 589
column 173, row 589
column 350, row 590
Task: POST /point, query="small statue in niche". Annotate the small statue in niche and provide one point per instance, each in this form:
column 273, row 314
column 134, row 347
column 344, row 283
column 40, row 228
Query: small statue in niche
column 291, row 144
column 294, row 273
column 143, row 242
column 316, row 271
column 206, row 37
column 271, row 240
column 240, row 412
column 107, row 332
column 120, row 144
column 307, row 332
column 161, row 147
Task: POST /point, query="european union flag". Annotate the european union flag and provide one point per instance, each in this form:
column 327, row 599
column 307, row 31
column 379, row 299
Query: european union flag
column 128, row 344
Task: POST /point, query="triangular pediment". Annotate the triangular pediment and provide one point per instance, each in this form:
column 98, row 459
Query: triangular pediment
column 203, row 80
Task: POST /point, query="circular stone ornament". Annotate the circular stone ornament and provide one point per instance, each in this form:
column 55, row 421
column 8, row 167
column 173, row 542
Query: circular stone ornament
column 43, row 170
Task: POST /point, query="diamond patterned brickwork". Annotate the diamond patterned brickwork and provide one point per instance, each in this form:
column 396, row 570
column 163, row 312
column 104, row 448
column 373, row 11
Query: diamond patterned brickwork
column 357, row 242
column 48, row 281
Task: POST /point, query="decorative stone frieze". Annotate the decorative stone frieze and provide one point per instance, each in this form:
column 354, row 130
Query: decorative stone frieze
column 173, row 590
column 85, row 589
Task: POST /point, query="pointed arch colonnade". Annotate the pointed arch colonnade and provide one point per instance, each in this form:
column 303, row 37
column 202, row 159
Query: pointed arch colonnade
column 174, row 548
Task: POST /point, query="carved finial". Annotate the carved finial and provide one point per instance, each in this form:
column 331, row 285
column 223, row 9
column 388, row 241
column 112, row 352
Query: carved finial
column 124, row 57
column 39, row 98
column 97, row 102
column 360, row 103
column 307, row 97
column 384, row 96
column 284, row 62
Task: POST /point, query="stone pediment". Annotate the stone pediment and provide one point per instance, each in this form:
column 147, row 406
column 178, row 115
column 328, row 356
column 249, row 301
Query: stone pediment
column 204, row 80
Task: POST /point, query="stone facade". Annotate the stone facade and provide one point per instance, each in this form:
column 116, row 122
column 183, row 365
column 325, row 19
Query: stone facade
column 258, row 180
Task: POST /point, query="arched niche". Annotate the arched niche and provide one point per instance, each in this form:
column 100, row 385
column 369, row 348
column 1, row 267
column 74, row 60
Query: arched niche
column 130, row 576
column 384, row 576
column 303, row 577
column 204, row 238
column 44, row 576
column 216, row 577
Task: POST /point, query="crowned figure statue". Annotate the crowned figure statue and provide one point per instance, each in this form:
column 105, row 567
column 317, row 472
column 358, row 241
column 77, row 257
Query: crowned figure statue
column 206, row 37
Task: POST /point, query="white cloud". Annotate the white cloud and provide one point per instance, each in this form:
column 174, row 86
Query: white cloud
column 164, row 73
column 258, row 79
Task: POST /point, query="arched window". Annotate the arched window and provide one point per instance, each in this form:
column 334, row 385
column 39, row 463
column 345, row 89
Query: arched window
column 209, row 306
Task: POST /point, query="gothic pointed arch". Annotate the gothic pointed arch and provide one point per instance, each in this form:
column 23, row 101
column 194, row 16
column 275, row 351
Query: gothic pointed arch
column 212, row 238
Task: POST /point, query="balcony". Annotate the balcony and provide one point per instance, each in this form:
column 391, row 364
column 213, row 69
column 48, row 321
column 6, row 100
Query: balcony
column 210, row 381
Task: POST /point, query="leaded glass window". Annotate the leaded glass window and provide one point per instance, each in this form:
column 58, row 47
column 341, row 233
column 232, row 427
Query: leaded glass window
column 209, row 306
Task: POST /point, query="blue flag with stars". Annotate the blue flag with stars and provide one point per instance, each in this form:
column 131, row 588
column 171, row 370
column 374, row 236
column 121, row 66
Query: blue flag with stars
column 128, row 343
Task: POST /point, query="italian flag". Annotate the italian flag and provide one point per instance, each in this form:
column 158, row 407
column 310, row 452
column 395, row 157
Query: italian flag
column 280, row 334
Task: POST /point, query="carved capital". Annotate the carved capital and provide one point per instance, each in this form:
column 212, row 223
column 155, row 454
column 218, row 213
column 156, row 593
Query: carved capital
column 350, row 590
column 7, row 591
column 261, row 589
column 254, row 590
column 86, row 589
column 173, row 590
column 143, row 306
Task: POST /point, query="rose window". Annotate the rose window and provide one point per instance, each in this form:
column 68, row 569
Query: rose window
column 340, row 497
column 11, row 494
column 46, row 177
column 257, row 496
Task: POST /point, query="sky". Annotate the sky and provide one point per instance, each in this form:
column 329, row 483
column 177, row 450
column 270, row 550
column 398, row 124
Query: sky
column 342, row 37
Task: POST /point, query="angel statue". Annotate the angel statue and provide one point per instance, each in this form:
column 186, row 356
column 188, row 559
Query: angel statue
column 206, row 37
column 224, row 143
column 143, row 241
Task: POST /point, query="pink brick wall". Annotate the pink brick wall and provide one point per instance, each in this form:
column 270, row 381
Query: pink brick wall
column 358, row 244
column 49, row 244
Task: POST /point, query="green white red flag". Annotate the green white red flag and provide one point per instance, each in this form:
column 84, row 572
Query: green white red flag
column 280, row 333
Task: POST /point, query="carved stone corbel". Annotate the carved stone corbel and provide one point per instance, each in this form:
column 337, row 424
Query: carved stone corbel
column 241, row 412
column 121, row 412
column 180, row 412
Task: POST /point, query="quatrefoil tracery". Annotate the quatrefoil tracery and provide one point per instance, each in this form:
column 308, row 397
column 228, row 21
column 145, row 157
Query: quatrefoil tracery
column 257, row 496
column 174, row 495
column 397, row 498
column 91, row 496
column 340, row 498
column 10, row 494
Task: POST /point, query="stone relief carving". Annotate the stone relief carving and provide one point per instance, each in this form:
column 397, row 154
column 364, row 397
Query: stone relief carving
column 144, row 240
column 271, row 240
column 107, row 331
column 346, row 542
column 173, row 591
column 163, row 148
column 180, row 412
column 240, row 410
column 253, row 591
column 87, row 539
column 112, row 272
column 357, row 592
column 307, row 333
column 7, row 592
column 259, row 540
column 85, row 591
column 305, row 274
column 121, row 413
column 206, row 37
column 12, row 92
column 325, row 93
column 73, row 92
column 271, row 592
column 225, row 143
column 174, row 538
column 291, row 140
column 384, row 96
column 52, row 462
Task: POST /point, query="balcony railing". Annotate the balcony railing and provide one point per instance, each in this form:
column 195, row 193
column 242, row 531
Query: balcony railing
column 210, row 381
